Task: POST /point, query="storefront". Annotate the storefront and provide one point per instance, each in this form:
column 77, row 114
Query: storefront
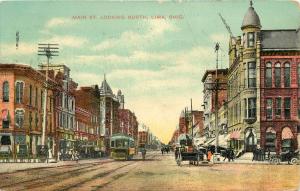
column 270, row 140
column 250, row 139
column 287, row 139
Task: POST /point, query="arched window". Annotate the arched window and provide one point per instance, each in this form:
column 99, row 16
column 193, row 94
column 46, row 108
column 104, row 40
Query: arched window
column 268, row 75
column 277, row 75
column 6, row 91
column 287, row 75
column 19, row 92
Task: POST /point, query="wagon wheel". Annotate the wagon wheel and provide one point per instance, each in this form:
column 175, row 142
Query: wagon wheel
column 275, row 161
column 294, row 161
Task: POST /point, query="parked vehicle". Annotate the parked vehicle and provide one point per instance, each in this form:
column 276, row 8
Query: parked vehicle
column 122, row 147
column 292, row 157
column 187, row 152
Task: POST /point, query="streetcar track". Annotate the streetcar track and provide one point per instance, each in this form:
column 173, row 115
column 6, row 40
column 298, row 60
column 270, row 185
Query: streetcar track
column 48, row 180
column 100, row 175
column 72, row 172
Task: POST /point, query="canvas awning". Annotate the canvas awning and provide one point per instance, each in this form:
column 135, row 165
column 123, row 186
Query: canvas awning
column 235, row 135
column 287, row 133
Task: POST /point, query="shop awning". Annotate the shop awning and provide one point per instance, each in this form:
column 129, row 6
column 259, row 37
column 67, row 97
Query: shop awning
column 287, row 133
column 235, row 135
column 5, row 115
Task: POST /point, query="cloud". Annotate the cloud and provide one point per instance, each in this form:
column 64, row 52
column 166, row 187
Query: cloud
column 59, row 21
column 130, row 39
column 68, row 41
column 25, row 48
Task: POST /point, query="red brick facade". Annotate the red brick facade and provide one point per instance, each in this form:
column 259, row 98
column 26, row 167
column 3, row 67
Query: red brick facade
column 128, row 123
column 278, row 121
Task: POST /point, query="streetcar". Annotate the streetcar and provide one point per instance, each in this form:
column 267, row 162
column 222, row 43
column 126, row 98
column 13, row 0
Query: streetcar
column 122, row 147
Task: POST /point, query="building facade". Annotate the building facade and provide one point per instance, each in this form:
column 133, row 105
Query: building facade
column 109, row 117
column 21, row 104
column 87, row 130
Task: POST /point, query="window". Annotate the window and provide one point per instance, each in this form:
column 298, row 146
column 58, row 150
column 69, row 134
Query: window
column 287, row 108
column 269, row 108
column 245, row 75
column 277, row 75
column 6, row 91
column 5, row 119
column 36, row 97
column 287, row 75
column 252, row 108
column 298, row 71
column 42, row 99
column 19, row 118
column 19, row 92
column 268, row 75
column 30, row 120
column 250, row 39
column 251, row 75
column 278, row 107
column 36, row 120
column 298, row 108
column 30, row 95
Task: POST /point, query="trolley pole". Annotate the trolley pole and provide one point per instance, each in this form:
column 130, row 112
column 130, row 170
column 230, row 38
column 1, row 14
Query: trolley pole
column 48, row 50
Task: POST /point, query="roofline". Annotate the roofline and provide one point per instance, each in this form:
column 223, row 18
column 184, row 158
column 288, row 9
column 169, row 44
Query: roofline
column 279, row 30
column 213, row 71
column 280, row 49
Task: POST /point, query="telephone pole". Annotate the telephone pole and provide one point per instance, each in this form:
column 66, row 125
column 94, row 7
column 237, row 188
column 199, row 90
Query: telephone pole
column 48, row 50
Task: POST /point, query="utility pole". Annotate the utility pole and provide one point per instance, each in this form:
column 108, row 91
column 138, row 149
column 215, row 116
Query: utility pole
column 48, row 50
column 216, row 99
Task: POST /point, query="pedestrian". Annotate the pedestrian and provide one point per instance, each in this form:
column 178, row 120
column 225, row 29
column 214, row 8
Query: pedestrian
column 162, row 151
column 231, row 155
column 209, row 155
column 254, row 154
column 269, row 153
column 143, row 153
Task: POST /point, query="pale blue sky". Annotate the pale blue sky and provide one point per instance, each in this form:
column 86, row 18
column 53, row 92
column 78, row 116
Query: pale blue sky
column 157, row 63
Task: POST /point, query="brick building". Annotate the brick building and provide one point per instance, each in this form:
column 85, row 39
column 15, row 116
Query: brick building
column 128, row 123
column 64, row 107
column 143, row 137
column 87, row 130
column 280, row 89
column 21, row 105
column 209, row 98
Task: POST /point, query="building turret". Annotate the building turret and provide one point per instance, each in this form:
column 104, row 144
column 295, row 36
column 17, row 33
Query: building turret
column 120, row 97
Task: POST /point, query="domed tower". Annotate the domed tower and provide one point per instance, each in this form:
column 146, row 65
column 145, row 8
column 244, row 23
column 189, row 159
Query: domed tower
column 251, row 31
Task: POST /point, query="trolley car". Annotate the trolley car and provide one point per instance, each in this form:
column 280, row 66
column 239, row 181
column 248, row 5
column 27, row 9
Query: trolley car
column 122, row 147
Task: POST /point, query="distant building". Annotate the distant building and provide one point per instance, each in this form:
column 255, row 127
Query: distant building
column 208, row 80
column 109, row 105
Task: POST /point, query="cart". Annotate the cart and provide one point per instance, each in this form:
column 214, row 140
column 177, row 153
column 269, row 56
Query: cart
column 185, row 151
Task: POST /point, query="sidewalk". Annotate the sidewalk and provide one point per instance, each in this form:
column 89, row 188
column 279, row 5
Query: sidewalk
column 13, row 167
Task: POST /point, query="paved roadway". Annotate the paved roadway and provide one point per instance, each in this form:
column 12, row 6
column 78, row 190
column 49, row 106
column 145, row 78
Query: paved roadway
column 156, row 173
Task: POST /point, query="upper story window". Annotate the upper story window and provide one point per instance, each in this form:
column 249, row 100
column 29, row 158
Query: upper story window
column 30, row 120
column 251, row 74
column 252, row 108
column 298, row 72
column 36, row 97
column 287, row 75
column 268, row 75
column 287, row 108
column 19, row 118
column 250, row 39
column 5, row 91
column 269, row 108
column 19, row 92
column 30, row 95
column 5, row 118
column 277, row 75
column 278, row 107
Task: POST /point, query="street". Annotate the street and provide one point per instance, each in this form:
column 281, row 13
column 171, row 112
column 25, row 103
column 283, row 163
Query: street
column 157, row 172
